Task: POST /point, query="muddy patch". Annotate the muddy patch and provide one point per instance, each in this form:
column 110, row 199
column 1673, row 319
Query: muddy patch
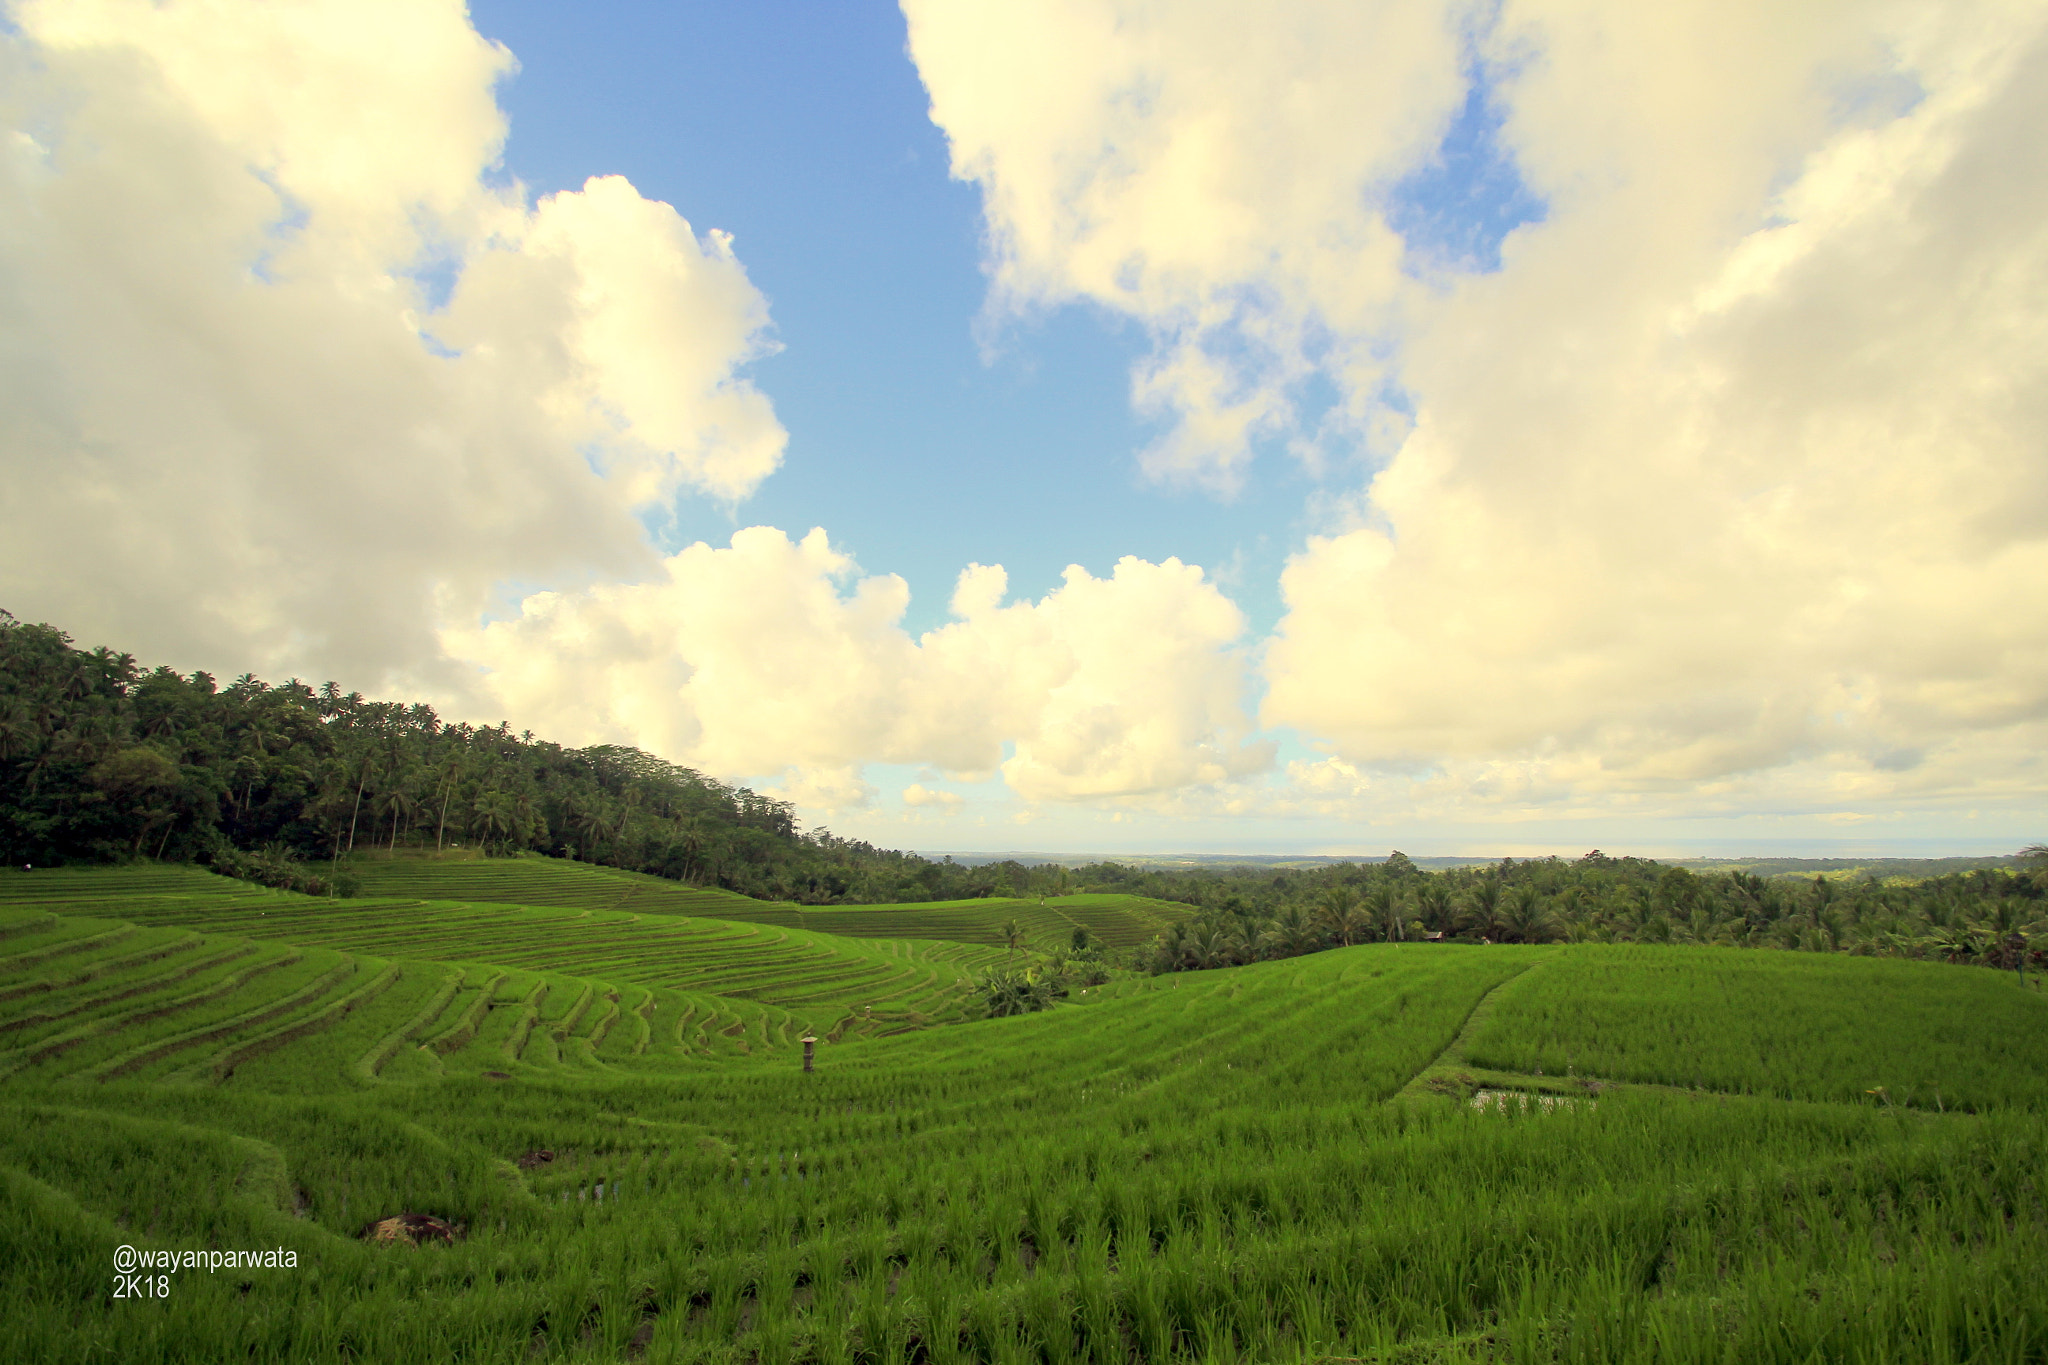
column 412, row 1230
column 537, row 1158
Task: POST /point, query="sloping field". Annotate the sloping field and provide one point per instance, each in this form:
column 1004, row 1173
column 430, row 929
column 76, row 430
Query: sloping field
column 1117, row 920
column 1801, row 1026
column 836, row 985
column 539, row 881
column 1240, row 1165
column 102, row 1000
column 84, row 886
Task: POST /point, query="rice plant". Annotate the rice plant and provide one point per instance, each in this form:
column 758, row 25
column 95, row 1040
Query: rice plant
column 1237, row 1164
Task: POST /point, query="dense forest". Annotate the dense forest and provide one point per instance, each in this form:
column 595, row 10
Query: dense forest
column 101, row 759
column 1990, row 915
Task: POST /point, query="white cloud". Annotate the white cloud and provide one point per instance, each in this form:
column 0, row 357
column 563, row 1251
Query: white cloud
column 773, row 654
column 1218, row 175
column 1762, row 488
column 1728, row 487
column 234, row 426
column 945, row 802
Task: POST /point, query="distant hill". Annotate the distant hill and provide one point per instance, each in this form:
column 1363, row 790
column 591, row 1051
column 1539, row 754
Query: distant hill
column 1832, row 868
column 1847, row 869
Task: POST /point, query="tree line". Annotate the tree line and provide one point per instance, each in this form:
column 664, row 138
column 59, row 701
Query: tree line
column 1994, row 916
column 101, row 759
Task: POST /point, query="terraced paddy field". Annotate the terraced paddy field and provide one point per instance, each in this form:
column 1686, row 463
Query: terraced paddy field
column 835, row 985
column 539, row 881
column 1117, row 920
column 1282, row 1162
column 103, row 1000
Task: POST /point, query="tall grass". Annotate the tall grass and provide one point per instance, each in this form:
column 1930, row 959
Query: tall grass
column 1219, row 1166
column 1838, row 1028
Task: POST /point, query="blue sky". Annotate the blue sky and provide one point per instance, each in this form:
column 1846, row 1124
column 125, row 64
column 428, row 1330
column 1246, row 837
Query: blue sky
column 1466, row 429
column 920, row 440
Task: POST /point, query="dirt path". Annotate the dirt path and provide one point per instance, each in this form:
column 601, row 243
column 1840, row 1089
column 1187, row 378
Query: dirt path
column 1451, row 1060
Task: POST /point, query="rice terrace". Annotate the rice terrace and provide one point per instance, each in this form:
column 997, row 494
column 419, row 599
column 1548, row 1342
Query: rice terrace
column 332, row 1032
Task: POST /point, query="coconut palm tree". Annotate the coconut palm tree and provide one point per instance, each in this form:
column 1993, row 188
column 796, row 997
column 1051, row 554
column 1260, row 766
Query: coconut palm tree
column 492, row 817
column 1384, row 905
column 395, row 803
column 1290, row 935
column 1483, row 907
column 1213, row 945
column 1433, row 901
column 1525, row 918
column 1338, row 915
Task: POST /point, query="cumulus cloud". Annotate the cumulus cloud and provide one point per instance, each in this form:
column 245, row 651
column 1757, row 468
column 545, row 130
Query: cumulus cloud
column 1763, row 485
column 772, row 654
column 1727, row 487
column 239, row 423
column 1219, row 176
column 945, row 802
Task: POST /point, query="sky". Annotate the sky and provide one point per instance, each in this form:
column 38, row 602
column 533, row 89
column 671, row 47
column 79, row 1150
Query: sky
column 1092, row 426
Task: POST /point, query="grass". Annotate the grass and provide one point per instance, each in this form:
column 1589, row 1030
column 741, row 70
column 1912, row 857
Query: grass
column 536, row 881
column 1120, row 921
column 1233, row 1165
column 829, row 979
column 1117, row 920
column 1837, row 1028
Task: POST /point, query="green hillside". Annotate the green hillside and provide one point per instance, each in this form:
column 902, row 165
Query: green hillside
column 1114, row 919
column 540, row 881
column 1118, row 921
column 833, row 984
column 1350, row 1155
column 99, row 1000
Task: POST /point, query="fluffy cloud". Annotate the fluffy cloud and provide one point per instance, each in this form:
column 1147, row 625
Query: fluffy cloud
column 237, row 421
column 1729, row 483
column 1762, row 486
column 1218, row 175
column 772, row 654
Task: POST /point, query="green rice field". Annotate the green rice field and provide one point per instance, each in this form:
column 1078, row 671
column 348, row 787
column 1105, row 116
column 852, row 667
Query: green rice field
column 1395, row 1152
column 1119, row 921
column 539, row 881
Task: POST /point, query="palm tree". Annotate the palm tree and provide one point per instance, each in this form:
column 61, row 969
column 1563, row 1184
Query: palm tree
column 1012, row 933
column 1213, row 946
column 448, row 781
column 361, row 783
column 1433, row 901
column 492, row 816
column 527, row 819
column 591, row 822
column 395, row 803
column 1338, row 915
column 1484, row 900
column 1167, row 948
column 1291, row 933
column 1385, row 906
column 693, row 848
column 243, row 772
column 1527, row 919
